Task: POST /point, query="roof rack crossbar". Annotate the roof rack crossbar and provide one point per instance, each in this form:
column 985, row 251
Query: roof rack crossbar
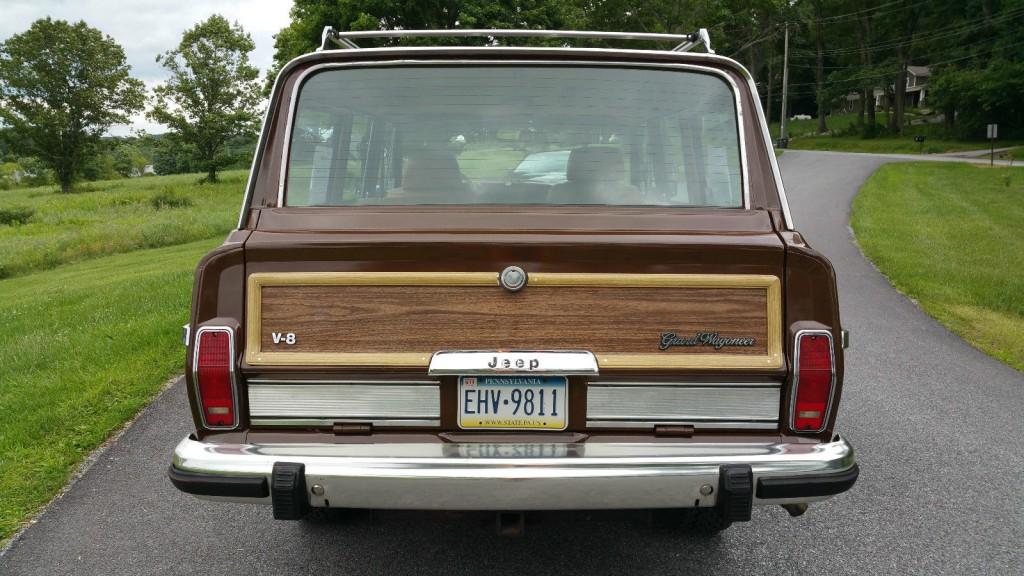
column 332, row 39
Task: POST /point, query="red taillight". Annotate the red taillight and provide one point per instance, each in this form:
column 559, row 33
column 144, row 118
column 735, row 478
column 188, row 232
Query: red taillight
column 814, row 381
column 213, row 371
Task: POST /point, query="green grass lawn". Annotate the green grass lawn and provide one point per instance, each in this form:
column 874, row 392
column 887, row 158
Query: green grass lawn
column 84, row 347
column 887, row 145
column 803, row 137
column 112, row 217
column 1015, row 154
column 97, row 285
column 951, row 236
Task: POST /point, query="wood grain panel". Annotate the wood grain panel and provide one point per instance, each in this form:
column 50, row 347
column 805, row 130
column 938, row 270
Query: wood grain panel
column 344, row 319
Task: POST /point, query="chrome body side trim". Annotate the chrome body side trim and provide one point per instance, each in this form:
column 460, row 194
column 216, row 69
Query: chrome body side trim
column 234, row 378
column 289, row 126
column 766, row 137
column 186, row 334
column 365, row 402
column 796, row 379
column 456, row 476
column 474, row 362
column 682, row 404
column 257, row 156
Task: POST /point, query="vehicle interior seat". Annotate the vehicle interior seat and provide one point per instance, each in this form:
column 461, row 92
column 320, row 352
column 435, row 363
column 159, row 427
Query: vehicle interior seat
column 595, row 174
column 430, row 177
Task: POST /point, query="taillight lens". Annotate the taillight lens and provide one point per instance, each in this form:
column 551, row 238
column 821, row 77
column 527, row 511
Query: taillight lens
column 815, row 379
column 213, row 371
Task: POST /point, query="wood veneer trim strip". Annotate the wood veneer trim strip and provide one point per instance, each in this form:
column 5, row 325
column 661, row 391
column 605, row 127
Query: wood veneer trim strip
column 771, row 284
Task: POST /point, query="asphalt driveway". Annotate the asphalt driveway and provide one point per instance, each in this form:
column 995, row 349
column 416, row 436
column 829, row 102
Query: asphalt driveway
column 937, row 426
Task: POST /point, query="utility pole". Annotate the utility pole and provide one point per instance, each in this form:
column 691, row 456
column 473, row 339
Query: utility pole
column 785, row 87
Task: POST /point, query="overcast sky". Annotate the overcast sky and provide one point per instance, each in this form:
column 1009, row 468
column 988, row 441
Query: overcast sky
column 146, row 28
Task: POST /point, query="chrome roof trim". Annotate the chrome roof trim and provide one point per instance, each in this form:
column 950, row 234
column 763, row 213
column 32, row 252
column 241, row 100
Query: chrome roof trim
column 344, row 39
column 293, row 105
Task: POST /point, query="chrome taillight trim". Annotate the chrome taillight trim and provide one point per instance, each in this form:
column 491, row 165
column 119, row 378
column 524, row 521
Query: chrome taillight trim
column 796, row 379
column 231, row 370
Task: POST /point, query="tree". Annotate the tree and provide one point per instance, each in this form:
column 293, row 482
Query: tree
column 213, row 93
column 128, row 159
column 308, row 18
column 61, row 87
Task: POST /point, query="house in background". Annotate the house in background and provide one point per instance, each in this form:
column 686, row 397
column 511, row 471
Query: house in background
column 917, row 88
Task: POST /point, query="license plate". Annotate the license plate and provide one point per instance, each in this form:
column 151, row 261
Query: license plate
column 513, row 402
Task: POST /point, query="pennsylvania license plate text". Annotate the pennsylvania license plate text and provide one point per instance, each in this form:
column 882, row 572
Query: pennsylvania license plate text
column 512, row 402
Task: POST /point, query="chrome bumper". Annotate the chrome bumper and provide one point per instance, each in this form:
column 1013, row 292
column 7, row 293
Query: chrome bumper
column 507, row 476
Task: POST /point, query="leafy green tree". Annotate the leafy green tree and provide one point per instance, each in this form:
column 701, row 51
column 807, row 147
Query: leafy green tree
column 101, row 165
column 128, row 159
column 309, row 17
column 173, row 155
column 10, row 175
column 61, row 87
column 213, row 94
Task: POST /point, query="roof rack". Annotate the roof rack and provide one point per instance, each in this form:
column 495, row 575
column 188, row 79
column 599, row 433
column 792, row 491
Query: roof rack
column 332, row 39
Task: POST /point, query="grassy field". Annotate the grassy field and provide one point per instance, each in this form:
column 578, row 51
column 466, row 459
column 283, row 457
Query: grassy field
column 84, row 347
column 91, row 313
column 803, row 137
column 951, row 236
column 44, row 228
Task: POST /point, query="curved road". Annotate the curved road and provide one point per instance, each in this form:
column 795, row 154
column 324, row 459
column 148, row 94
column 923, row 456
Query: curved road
column 938, row 426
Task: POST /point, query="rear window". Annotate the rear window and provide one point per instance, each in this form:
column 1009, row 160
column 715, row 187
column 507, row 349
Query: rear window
column 514, row 135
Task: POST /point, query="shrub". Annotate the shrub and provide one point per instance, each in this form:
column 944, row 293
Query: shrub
column 169, row 198
column 16, row 215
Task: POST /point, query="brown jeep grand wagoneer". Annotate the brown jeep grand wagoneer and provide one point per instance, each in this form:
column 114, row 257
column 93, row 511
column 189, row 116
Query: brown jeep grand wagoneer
column 512, row 279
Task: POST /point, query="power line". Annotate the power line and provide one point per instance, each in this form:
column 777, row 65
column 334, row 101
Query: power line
column 944, row 62
column 840, row 17
column 942, row 33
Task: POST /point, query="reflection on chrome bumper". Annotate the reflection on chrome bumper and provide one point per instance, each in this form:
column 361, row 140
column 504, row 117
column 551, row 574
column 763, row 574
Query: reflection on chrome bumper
column 509, row 476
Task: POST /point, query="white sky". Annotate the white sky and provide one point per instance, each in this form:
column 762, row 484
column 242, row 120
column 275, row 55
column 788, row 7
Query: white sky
column 145, row 28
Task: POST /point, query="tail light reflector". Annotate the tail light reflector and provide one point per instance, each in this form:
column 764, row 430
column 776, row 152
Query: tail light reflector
column 815, row 379
column 214, row 375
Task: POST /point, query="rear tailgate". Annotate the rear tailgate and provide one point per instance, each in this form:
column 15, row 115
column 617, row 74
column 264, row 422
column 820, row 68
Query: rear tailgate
column 688, row 302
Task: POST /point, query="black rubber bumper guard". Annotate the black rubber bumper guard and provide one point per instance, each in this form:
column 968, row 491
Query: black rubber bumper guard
column 210, row 485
